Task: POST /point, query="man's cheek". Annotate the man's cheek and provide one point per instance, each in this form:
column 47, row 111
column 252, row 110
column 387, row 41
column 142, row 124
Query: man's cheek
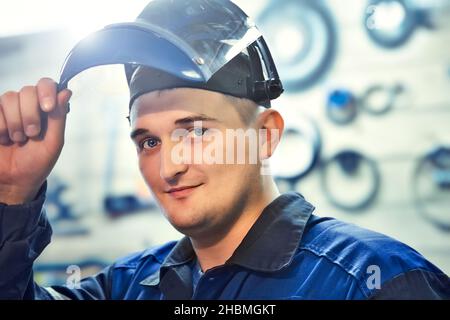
column 152, row 181
column 150, row 177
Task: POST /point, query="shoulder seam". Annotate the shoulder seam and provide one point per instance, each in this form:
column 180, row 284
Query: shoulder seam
column 312, row 249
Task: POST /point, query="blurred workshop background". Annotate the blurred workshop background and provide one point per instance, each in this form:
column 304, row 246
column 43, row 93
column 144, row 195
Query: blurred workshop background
column 367, row 107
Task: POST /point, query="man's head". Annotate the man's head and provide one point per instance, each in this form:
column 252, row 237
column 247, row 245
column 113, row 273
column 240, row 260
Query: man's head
column 188, row 60
column 222, row 189
column 201, row 143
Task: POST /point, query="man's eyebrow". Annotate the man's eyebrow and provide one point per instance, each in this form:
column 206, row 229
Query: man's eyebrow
column 181, row 121
column 138, row 132
column 192, row 119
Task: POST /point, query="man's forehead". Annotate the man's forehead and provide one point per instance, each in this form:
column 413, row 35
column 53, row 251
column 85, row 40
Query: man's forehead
column 182, row 102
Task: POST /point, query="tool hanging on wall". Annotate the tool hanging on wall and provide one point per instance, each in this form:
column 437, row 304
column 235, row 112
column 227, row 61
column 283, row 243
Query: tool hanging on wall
column 302, row 35
column 350, row 180
column 297, row 154
column 343, row 105
column 431, row 187
column 64, row 221
column 391, row 23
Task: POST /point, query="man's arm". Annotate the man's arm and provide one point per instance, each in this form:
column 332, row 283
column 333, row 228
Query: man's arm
column 32, row 126
column 24, row 233
column 415, row 285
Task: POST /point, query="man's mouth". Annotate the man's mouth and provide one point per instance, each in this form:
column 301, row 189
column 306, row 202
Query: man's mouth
column 182, row 192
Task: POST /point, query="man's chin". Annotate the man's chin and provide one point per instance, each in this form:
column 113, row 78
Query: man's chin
column 187, row 216
column 189, row 230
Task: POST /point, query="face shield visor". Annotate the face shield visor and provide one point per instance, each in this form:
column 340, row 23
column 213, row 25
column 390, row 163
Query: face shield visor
column 187, row 41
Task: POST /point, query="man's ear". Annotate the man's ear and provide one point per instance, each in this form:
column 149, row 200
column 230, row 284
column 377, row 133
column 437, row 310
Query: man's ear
column 271, row 126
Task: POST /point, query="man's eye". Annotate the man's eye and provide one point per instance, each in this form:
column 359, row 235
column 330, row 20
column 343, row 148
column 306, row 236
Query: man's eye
column 198, row 132
column 149, row 143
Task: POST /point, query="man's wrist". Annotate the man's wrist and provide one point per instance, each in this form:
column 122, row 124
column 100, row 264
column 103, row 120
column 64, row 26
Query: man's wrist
column 20, row 198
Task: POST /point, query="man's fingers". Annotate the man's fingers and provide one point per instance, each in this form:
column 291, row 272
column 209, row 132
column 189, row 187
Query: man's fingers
column 11, row 111
column 46, row 89
column 56, row 121
column 30, row 112
column 63, row 100
column 21, row 116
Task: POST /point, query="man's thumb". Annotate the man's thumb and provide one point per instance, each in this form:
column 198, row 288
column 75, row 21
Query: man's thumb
column 57, row 117
column 56, row 121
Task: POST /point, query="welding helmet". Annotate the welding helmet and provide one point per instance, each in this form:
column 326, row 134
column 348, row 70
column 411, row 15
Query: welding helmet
column 205, row 44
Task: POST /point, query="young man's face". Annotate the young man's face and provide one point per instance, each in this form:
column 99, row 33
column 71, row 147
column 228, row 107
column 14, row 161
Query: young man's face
column 215, row 194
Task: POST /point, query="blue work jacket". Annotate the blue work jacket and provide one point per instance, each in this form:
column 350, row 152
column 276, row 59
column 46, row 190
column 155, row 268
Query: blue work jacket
column 289, row 253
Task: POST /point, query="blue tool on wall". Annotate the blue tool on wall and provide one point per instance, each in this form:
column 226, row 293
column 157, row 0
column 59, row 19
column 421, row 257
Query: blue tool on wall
column 56, row 207
column 345, row 175
column 343, row 105
column 64, row 221
column 117, row 205
column 302, row 35
column 431, row 187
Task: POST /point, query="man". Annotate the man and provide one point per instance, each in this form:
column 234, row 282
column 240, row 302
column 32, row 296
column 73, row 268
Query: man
column 243, row 239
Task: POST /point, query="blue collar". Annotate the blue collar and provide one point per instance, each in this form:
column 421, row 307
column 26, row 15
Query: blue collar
column 269, row 246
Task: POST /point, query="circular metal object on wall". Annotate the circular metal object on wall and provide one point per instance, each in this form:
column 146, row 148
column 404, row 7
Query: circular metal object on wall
column 391, row 23
column 431, row 187
column 350, row 180
column 298, row 151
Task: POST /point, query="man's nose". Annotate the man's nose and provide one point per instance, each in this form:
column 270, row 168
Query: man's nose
column 170, row 166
